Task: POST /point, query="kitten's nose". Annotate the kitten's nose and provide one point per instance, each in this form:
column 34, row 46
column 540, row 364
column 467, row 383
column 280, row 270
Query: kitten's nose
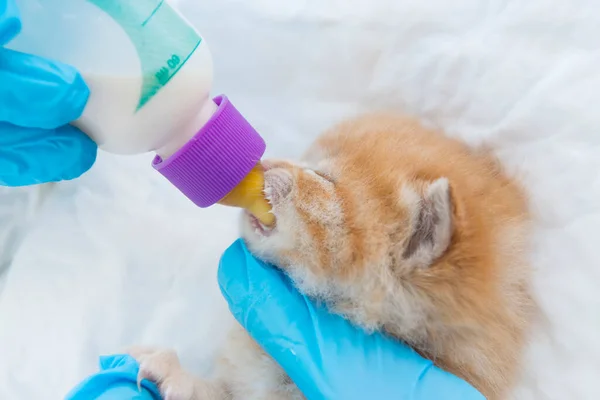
column 266, row 165
column 275, row 163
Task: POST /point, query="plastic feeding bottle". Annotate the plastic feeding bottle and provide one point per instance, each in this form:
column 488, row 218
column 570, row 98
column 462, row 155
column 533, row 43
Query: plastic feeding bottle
column 150, row 74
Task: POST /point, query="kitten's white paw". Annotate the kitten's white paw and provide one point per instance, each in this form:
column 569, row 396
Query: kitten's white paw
column 162, row 367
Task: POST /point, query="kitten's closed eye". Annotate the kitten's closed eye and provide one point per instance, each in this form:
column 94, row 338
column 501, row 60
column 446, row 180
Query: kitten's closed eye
column 323, row 175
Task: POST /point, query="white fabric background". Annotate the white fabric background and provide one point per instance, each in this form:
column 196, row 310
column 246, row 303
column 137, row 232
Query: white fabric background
column 119, row 257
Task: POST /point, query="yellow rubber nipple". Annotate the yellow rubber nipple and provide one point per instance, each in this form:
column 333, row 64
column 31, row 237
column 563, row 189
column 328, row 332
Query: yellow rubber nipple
column 249, row 194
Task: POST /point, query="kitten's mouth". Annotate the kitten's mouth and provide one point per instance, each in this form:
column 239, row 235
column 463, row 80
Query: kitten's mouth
column 259, row 228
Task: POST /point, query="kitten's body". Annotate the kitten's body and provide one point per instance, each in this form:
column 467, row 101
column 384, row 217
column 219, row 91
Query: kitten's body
column 403, row 230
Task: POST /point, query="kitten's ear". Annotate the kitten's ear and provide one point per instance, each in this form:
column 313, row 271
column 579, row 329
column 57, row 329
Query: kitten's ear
column 278, row 184
column 430, row 222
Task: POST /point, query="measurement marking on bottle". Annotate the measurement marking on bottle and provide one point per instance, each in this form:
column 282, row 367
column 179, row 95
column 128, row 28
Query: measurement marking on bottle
column 172, row 65
column 158, row 6
column 163, row 74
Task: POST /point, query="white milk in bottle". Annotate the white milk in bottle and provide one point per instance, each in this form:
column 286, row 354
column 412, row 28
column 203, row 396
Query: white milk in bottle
column 149, row 71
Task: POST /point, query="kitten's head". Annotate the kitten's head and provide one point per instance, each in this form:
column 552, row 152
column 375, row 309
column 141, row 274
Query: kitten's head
column 338, row 228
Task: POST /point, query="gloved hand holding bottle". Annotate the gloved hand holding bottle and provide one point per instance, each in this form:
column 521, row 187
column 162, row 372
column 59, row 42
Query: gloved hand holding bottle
column 149, row 74
column 38, row 100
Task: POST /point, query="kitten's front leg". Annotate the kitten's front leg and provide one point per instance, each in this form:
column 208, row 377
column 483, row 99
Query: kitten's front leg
column 162, row 367
column 251, row 374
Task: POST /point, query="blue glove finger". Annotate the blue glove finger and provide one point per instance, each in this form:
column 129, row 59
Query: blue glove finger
column 30, row 155
column 39, row 93
column 10, row 24
column 323, row 354
column 116, row 380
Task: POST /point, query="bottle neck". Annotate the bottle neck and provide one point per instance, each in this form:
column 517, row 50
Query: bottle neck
column 188, row 130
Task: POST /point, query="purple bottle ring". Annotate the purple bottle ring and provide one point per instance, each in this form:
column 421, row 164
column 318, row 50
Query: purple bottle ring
column 216, row 159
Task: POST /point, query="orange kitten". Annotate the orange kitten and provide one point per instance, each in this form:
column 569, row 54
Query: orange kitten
column 398, row 229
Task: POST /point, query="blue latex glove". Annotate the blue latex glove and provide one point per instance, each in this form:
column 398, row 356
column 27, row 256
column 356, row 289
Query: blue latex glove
column 38, row 99
column 117, row 380
column 327, row 357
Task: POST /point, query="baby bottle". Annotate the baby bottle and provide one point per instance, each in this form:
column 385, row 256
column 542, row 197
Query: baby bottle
column 150, row 74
